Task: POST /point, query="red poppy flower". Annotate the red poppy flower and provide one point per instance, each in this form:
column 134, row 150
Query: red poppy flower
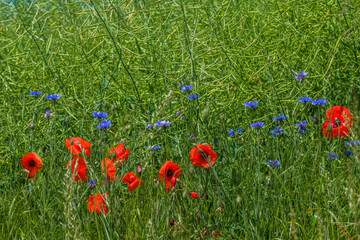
column 31, row 162
column 97, row 203
column 78, row 164
column 202, row 155
column 194, row 195
column 168, row 173
column 121, row 153
column 338, row 122
column 78, row 146
column 110, row 169
column 133, row 181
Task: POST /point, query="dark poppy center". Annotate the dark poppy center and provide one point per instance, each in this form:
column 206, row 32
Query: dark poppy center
column 336, row 123
column 169, row 173
column 32, row 163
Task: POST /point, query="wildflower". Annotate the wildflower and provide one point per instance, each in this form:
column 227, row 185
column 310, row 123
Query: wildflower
column 31, row 162
column 348, row 153
column 153, row 148
column 319, row 102
column 31, row 126
column 302, row 126
column 121, row 153
column 352, row 143
column 149, row 126
column 186, row 88
column 194, row 96
column 172, row 222
column 204, row 195
column 315, row 119
column 179, row 113
column 53, row 97
column 277, row 132
column 338, row 122
column 300, row 76
column 76, row 145
column 48, row 114
column 203, row 156
column 110, row 169
column 78, row 168
column 97, row 203
column 305, row 100
column 251, row 104
column 258, row 125
column 332, row 156
column 194, row 195
column 133, row 181
column 100, row 115
column 34, row 93
column 92, row 183
column 274, row 163
column 232, row 132
column 162, row 124
column 193, row 137
column 139, row 169
column 280, row 118
column 168, row 173
column 104, row 124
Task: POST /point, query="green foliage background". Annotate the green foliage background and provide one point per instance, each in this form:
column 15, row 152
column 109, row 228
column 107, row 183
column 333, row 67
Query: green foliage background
column 127, row 58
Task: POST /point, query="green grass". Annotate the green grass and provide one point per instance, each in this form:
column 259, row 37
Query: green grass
column 132, row 55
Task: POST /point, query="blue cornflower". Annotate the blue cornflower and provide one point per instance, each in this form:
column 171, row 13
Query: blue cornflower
column 186, row 88
column 352, row 143
column 154, row 148
column 348, row 153
column 48, row 114
column 149, row 126
column 319, row 102
column 100, row 115
column 332, row 156
column 162, row 124
column 53, row 97
column 302, row 126
column 277, row 132
column 232, row 132
column 274, row 163
column 194, row 96
column 251, row 104
column 34, row 93
column 193, row 136
column 104, row 124
column 280, row 118
column 305, row 100
column 300, row 76
column 257, row 125
column 92, row 183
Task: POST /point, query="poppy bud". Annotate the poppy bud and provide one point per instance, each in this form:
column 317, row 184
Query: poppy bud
column 172, row 222
column 194, row 195
column 205, row 196
column 71, row 142
column 24, row 173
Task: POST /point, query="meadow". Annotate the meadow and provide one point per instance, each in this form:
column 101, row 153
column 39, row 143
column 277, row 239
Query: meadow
column 158, row 78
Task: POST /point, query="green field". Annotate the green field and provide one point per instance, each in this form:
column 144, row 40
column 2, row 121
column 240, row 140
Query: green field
column 130, row 59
